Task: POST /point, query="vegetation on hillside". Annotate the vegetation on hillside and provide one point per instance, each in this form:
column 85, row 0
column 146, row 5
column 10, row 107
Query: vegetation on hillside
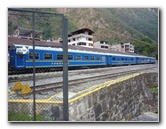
column 136, row 25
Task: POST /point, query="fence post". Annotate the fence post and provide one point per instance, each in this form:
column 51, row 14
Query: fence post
column 65, row 68
column 33, row 42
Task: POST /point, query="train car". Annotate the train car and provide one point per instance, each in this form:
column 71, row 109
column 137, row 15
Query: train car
column 21, row 57
column 143, row 60
column 119, row 59
column 152, row 60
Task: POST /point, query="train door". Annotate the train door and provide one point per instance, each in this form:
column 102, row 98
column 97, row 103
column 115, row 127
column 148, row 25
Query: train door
column 20, row 60
column 109, row 62
column 20, row 56
column 137, row 60
column 103, row 59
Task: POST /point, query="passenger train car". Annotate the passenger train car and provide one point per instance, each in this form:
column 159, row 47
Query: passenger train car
column 21, row 57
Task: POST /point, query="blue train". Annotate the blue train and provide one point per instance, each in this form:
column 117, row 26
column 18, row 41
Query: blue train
column 21, row 57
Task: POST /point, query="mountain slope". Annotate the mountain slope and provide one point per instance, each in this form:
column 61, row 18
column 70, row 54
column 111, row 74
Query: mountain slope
column 116, row 24
column 136, row 25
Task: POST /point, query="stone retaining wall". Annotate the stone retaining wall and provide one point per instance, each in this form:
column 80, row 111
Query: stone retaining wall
column 118, row 101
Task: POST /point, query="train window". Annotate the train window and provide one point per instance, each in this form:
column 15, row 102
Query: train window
column 113, row 58
column 132, row 59
column 122, row 58
column 20, row 56
column 70, row 57
column 48, row 56
column 78, row 57
column 85, row 57
column 59, row 57
column 98, row 58
column 92, row 58
column 31, row 55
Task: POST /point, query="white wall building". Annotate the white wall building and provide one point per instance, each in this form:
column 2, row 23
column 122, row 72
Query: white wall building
column 123, row 47
column 101, row 44
column 82, row 37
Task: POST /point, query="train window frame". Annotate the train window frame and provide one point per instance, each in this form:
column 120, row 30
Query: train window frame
column 92, row 57
column 78, row 57
column 59, row 57
column 70, row 57
column 36, row 53
column 98, row 58
column 113, row 58
column 50, row 58
column 86, row 57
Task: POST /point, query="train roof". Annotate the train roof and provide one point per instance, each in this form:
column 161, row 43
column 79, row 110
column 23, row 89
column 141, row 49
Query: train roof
column 71, row 50
column 58, row 46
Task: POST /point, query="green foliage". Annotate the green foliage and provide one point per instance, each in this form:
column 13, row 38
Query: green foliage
column 23, row 117
column 136, row 25
column 144, row 47
column 50, row 25
column 11, row 28
column 148, row 40
column 154, row 89
column 47, row 34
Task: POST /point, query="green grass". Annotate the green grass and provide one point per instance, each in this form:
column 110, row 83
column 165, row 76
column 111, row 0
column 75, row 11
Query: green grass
column 154, row 89
column 23, row 117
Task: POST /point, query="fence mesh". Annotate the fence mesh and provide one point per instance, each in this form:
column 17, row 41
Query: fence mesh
column 47, row 58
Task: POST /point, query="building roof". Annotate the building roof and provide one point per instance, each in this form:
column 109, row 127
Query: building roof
column 14, row 40
column 26, row 31
column 81, row 31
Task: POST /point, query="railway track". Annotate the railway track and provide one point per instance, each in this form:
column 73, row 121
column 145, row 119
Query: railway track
column 39, row 76
column 53, row 86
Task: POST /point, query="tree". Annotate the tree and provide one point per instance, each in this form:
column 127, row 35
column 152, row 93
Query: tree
column 47, row 34
column 148, row 40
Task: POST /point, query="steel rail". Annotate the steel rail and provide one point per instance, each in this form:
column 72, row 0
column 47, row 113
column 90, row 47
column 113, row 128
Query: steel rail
column 74, row 82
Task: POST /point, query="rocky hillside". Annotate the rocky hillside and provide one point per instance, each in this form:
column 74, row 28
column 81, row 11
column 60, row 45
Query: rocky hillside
column 116, row 24
column 136, row 25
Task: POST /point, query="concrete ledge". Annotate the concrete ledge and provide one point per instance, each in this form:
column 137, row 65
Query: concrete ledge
column 75, row 96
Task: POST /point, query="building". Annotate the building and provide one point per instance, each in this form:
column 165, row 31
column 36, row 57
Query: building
column 128, row 47
column 101, row 44
column 123, row 47
column 82, row 37
column 27, row 34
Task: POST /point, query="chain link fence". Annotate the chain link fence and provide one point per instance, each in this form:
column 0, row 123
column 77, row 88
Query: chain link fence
column 36, row 64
